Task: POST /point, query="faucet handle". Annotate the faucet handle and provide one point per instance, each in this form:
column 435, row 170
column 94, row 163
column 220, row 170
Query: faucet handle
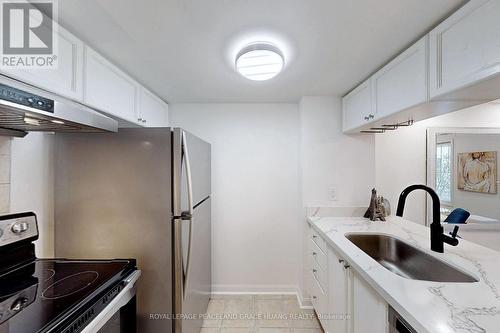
column 455, row 232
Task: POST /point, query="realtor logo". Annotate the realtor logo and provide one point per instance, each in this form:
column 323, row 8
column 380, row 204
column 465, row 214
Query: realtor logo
column 28, row 34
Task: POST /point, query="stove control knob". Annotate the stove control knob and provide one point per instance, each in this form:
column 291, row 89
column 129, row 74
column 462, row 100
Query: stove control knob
column 19, row 227
column 18, row 304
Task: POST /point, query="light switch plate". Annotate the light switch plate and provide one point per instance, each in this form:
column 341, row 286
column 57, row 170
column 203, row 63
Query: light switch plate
column 332, row 194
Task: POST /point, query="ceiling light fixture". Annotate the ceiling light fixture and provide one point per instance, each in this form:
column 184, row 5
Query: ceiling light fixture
column 260, row 61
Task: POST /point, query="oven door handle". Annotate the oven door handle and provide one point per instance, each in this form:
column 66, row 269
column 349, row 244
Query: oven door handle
column 127, row 293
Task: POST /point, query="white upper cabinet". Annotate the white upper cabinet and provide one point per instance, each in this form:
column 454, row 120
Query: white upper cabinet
column 87, row 77
column 109, row 89
column 465, row 48
column 66, row 79
column 152, row 111
column 456, row 66
column 403, row 82
column 357, row 106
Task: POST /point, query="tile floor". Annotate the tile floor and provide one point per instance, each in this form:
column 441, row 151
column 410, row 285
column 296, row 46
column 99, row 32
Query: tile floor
column 258, row 314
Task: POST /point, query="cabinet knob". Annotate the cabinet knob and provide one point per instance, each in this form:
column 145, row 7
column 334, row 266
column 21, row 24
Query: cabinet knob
column 367, row 118
column 346, row 265
column 341, row 261
column 314, row 297
column 144, row 120
column 314, row 236
column 371, row 116
column 315, row 270
column 139, row 119
column 315, row 254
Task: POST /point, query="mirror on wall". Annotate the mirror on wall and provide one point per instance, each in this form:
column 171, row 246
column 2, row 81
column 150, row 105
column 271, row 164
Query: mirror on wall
column 462, row 166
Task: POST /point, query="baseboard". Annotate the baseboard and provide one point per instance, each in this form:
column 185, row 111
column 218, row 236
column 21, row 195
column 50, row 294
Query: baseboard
column 304, row 303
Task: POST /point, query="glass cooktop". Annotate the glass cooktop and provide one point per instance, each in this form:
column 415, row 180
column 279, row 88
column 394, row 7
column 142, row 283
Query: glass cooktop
column 39, row 295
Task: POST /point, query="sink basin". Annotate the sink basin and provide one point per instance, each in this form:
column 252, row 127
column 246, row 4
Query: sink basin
column 406, row 260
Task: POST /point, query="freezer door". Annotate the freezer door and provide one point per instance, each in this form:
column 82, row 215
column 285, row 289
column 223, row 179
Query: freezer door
column 113, row 200
column 193, row 244
column 191, row 170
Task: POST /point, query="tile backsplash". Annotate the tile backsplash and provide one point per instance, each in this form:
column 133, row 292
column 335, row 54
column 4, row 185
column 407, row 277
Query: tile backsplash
column 4, row 174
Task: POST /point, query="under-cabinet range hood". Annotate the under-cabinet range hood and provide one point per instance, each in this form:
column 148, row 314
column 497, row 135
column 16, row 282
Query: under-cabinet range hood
column 24, row 108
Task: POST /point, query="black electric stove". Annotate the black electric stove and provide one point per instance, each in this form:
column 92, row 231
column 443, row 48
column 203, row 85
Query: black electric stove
column 51, row 295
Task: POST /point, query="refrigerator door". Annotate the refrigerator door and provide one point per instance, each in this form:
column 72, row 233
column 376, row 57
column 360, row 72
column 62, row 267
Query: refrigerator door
column 113, row 200
column 192, row 229
column 198, row 277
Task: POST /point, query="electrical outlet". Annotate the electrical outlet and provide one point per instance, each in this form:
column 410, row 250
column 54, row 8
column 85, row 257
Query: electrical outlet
column 332, row 194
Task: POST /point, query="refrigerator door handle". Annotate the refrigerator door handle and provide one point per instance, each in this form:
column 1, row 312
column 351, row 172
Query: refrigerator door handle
column 188, row 215
column 185, row 152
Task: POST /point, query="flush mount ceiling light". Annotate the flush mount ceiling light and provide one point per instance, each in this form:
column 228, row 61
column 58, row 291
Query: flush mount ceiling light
column 260, row 61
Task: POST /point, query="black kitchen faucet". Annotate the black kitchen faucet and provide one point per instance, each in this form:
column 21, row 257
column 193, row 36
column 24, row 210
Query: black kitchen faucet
column 438, row 238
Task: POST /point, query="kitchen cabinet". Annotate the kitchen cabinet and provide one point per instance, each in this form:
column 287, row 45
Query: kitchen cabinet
column 339, row 276
column 369, row 310
column 403, row 82
column 465, row 48
column 109, row 89
column 317, row 275
column 66, row 79
column 357, row 106
column 345, row 302
column 152, row 111
column 85, row 76
column 456, row 66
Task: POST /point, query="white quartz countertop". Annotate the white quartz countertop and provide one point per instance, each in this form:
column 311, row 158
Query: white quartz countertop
column 433, row 307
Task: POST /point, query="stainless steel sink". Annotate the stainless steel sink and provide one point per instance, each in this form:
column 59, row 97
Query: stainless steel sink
column 406, row 260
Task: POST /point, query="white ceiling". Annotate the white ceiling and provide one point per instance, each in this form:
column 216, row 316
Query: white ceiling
column 183, row 49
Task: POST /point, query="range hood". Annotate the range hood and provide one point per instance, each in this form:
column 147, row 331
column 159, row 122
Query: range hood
column 24, row 108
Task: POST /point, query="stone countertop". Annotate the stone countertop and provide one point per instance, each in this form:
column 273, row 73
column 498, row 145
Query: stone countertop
column 433, row 307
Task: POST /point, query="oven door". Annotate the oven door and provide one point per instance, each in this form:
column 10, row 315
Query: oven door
column 119, row 316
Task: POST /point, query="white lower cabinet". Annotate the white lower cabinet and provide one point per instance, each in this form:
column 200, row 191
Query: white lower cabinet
column 339, row 274
column 369, row 310
column 317, row 276
column 343, row 300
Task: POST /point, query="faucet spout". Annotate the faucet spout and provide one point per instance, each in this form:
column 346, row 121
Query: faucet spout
column 438, row 238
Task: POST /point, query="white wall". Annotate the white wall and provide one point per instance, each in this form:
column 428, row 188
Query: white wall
column 400, row 156
column 331, row 159
column 256, row 206
column 32, row 185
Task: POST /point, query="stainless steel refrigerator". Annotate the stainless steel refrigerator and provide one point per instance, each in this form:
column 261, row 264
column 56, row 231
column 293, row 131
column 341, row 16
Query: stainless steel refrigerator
column 144, row 194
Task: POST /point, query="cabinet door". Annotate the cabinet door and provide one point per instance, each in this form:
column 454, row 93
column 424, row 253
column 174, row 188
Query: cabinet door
column 403, row 82
column 66, row 79
column 153, row 112
column 465, row 48
column 338, row 293
column 317, row 276
column 369, row 310
column 357, row 106
column 109, row 89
